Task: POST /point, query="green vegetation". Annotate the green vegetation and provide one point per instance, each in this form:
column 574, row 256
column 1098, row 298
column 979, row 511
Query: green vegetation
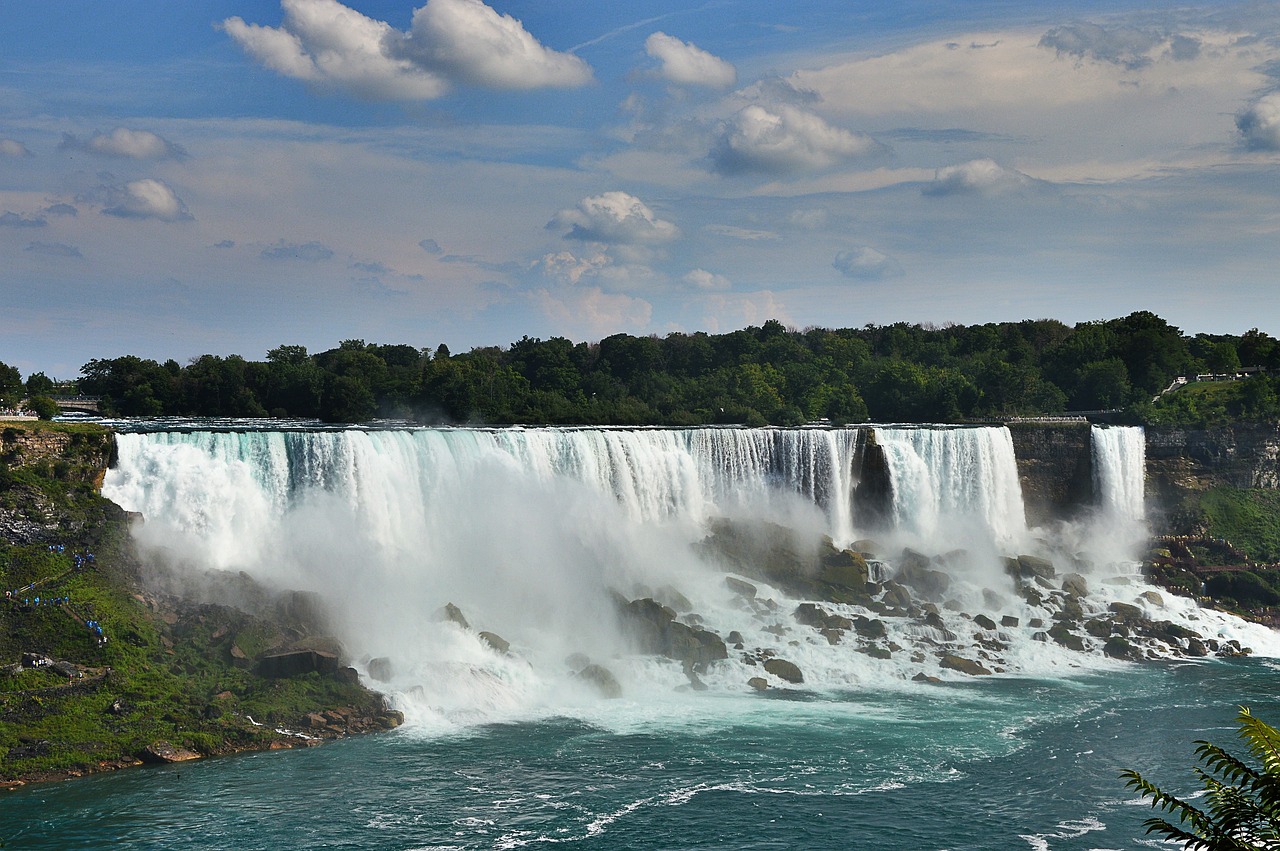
column 1248, row 517
column 758, row 375
column 1242, row 809
column 168, row 671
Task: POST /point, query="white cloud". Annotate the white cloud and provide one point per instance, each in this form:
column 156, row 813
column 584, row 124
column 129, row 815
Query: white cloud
column 326, row 43
column 125, row 142
column 145, row 199
column 470, row 42
column 614, row 218
column 783, row 140
column 977, row 177
column 570, row 268
column 13, row 148
column 688, row 65
column 866, row 263
column 701, row 279
column 1128, row 47
column 1260, row 124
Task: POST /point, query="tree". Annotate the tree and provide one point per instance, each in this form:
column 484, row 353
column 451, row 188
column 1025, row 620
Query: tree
column 1242, row 812
column 39, row 384
column 43, row 407
column 10, row 386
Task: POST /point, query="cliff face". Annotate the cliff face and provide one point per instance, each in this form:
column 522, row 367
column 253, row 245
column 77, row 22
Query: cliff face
column 1184, row 463
column 1055, row 468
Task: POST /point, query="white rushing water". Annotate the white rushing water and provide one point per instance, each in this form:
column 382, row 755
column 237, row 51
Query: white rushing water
column 532, row 533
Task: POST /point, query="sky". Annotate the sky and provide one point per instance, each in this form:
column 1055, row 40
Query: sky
column 227, row 176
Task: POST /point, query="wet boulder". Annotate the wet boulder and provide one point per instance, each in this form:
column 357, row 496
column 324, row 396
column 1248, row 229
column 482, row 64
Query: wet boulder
column 984, row 622
column 784, row 670
column 380, row 669
column 496, row 641
column 602, row 679
column 965, row 666
column 1030, row 566
column 758, row 683
column 295, row 663
column 1075, row 585
column 452, row 614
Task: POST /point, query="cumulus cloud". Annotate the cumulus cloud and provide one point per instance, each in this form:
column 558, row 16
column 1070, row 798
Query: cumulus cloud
column 327, row 44
column 615, row 218
column 124, row 142
column 13, row 148
column 866, row 263
column 312, row 252
column 465, row 40
column 688, row 65
column 701, row 279
column 783, row 140
column 976, row 177
column 53, row 249
column 1125, row 46
column 592, row 313
column 1260, row 124
column 570, row 268
column 9, row 219
column 145, row 199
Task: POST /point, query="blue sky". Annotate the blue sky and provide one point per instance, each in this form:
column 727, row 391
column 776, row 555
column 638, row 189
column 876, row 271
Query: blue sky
column 223, row 177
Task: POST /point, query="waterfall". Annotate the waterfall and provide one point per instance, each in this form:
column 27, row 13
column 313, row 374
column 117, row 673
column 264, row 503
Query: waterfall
column 535, row 533
column 955, row 482
column 1119, row 470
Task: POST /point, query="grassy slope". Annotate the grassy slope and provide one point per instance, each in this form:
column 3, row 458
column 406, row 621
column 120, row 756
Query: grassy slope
column 176, row 681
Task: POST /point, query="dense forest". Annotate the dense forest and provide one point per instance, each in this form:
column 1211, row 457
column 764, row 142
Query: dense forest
column 757, row 375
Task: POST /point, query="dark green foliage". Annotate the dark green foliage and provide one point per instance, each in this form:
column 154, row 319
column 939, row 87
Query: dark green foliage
column 11, row 389
column 1246, row 588
column 43, row 407
column 1242, row 795
column 756, row 375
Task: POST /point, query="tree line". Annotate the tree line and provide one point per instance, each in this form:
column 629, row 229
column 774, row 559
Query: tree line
column 757, row 375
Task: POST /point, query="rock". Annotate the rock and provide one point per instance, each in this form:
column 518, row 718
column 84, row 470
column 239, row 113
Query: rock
column 914, row 570
column 844, row 569
column 1036, row 623
column 877, row 652
column 758, row 683
column 896, row 595
column 380, row 669
column 1034, row 566
column 602, row 679
column 784, row 670
column 166, row 753
column 656, row 630
column 1126, row 611
column 984, row 621
column 673, row 598
column 1099, row 627
column 1196, row 647
column 1009, row 621
column 296, row 662
column 740, row 587
column 452, row 614
column 1075, row 585
column 389, row 719
column 1060, row 633
column 832, row 636
column 964, row 666
column 496, row 641
column 735, row 637
column 811, row 614
column 1152, row 597
column 1119, row 648
column 347, row 675
column 870, row 627
column 922, row 677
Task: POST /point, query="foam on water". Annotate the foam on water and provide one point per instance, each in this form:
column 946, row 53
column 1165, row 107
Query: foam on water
column 530, row 532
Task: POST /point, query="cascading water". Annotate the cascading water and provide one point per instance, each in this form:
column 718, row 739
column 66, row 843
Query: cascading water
column 1118, row 470
column 955, row 481
column 533, row 534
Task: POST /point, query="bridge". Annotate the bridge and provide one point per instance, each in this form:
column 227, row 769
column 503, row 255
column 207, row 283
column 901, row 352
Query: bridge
column 78, row 404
